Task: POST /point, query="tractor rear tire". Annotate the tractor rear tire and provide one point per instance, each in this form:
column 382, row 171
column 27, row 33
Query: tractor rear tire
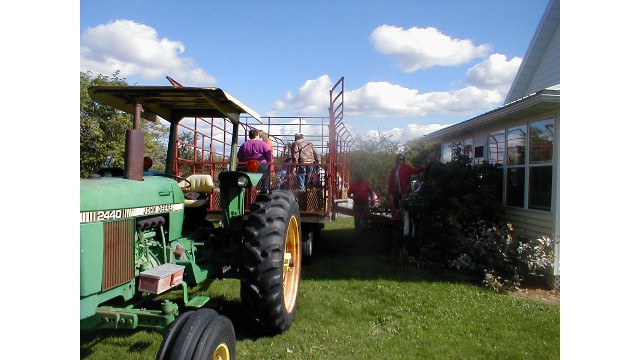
column 199, row 335
column 270, row 262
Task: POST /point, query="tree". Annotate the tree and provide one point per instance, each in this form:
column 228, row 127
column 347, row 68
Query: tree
column 374, row 157
column 103, row 129
column 419, row 150
column 156, row 136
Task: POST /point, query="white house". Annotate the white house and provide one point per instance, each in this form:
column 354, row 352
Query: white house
column 523, row 135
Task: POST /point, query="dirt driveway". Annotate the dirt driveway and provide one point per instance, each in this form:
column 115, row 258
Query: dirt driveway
column 551, row 297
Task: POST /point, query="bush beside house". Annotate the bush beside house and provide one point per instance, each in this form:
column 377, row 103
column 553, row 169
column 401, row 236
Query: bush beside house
column 460, row 226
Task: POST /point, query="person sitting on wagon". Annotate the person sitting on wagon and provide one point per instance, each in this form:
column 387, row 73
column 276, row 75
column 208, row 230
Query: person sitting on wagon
column 256, row 149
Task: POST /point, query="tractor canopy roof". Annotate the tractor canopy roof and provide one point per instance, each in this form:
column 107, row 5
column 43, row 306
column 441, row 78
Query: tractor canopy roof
column 172, row 103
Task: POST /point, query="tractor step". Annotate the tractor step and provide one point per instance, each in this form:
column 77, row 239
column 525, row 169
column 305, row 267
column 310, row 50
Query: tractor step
column 197, row 301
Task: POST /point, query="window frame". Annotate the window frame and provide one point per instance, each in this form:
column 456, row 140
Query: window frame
column 527, row 165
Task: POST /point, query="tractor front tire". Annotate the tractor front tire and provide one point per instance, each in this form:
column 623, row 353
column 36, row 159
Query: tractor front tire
column 270, row 262
column 199, row 335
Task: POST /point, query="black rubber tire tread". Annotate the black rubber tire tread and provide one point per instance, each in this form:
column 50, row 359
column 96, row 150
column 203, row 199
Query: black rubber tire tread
column 261, row 261
column 191, row 333
column 308, row 235
column 220, row 330
column 170, row 335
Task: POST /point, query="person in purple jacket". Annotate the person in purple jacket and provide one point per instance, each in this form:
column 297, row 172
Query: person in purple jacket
column 256, row 149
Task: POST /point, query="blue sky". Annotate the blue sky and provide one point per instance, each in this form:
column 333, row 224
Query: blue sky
column 410, row 67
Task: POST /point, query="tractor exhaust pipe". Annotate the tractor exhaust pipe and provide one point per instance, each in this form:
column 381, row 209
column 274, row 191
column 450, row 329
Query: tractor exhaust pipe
column 134, row 149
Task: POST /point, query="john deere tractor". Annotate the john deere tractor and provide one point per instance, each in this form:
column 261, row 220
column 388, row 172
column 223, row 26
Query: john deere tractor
column 142, row 237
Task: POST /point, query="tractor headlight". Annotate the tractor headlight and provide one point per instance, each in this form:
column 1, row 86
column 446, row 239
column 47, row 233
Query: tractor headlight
column 243, row 181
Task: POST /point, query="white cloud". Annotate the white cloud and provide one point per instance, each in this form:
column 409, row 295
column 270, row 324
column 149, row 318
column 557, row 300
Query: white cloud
column 402, row 135
column 421, row 48
column 496, row 73
column 385, row 99
column 487, row 85
column 312, row 99
column 136, row 50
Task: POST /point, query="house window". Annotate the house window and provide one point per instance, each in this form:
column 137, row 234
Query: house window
column 478, row 152
column 515, row 186
column 541, row 134
column 457, row 149
column 496, row 147
column 540, row 187
column 467, row 148
column 541, row 142
column 528, row 174
column 516, row 145
column 446, row 152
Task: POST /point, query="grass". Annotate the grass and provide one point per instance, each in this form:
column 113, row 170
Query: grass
column 354, row 303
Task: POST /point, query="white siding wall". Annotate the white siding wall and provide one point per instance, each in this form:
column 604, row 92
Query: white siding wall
column 548, row 71
column 533, row 223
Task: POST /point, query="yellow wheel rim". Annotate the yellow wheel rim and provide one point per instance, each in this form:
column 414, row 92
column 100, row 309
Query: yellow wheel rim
column 291, row 264
column 222, row 352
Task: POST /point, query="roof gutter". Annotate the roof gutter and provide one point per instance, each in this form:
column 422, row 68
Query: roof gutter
column 546, row 96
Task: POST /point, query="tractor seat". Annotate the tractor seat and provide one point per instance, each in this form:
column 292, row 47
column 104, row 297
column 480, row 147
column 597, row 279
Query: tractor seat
column 198, row 193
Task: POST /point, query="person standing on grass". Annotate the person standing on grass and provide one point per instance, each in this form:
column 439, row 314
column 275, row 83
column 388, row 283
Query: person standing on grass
column 400, row 183
column 360, row 191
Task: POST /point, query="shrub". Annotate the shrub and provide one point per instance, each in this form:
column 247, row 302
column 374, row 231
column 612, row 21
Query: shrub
column 504, row 257
column 452, row 199
column 460, row 225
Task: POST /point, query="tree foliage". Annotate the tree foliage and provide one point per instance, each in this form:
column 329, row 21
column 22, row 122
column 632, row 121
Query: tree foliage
column 373, row 157
column 103, row 129
column 420, row 151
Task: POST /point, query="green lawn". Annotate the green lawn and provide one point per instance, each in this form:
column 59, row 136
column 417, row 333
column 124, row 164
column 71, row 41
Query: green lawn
column 355, row 304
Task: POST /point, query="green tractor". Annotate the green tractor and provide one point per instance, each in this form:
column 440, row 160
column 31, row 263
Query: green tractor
column 144, row 236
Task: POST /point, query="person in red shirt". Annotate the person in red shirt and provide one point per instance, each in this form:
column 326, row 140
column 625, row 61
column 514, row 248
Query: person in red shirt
column 400, row 183
column 360, row 191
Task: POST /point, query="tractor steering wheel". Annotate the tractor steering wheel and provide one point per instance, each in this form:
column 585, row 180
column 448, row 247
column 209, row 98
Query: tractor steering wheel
column 177, row 177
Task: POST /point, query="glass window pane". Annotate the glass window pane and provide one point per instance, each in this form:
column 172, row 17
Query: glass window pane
column 515, row 187
column 446, row 152
column 516, row 140
column 540, row 187
column 467, row 148
column 496, row 147
column 541, row 133
column 457, row 149
column 500, row 188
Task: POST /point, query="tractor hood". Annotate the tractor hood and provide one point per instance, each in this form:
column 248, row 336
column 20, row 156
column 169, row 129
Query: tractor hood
column 155, row 194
